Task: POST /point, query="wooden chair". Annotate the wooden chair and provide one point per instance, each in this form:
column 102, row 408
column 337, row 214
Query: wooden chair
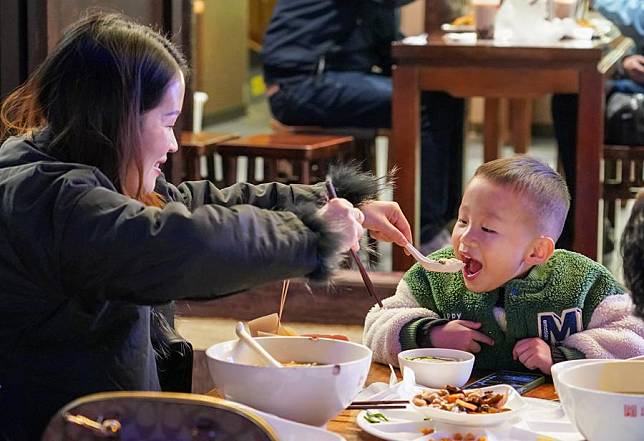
column 623, row 176
column 624, row 167
column 303, row 150
column 130, row 416
column 364, row 138
column 198, row 145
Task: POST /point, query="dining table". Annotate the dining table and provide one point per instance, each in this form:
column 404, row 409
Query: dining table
column 344, row 424
column 495, row 70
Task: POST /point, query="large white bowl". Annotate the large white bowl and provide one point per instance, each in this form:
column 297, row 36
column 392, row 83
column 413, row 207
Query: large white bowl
column 310, row 395
column 438, row 375
column 562, row 390
column 606, row 399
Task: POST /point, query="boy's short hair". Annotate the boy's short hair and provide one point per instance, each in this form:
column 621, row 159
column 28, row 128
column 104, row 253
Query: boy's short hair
column 633, row 254
column 544, row 188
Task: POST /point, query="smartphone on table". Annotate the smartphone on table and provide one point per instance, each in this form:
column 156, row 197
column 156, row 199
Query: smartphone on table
column 521, row 381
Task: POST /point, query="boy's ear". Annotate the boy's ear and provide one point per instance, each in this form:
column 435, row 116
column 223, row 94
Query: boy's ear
column 540, row 250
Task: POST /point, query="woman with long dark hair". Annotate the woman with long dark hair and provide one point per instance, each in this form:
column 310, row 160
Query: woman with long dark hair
column 91, row 234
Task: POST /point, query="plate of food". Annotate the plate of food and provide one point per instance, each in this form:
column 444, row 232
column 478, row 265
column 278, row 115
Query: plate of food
column 540, row 420
column 487, row 406
column 407, row 425
column 464, row 23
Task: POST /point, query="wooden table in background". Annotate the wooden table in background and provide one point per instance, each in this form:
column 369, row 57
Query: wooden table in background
column 345, row 423
column 491, row 70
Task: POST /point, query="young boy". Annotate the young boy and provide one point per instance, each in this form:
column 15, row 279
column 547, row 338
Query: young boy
column 518, row 303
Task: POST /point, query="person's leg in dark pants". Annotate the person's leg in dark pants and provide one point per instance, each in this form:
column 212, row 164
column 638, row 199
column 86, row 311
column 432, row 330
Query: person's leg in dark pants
column 564, row 116
column 334, row 99
column 357, row 99
column 442, row 165
column 624, row 85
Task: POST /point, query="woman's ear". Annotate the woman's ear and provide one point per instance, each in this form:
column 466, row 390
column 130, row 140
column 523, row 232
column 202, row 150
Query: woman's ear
column 540, row 250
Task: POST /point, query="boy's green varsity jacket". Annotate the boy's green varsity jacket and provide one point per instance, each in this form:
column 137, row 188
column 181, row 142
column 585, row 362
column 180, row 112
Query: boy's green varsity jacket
column 571, row 302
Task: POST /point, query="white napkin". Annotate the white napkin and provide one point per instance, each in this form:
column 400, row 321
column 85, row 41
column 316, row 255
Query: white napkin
column 524, row 21
column 417, row 40
column 395, row 390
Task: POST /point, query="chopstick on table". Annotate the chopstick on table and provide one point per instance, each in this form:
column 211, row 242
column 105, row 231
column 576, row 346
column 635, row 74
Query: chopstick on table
column 363, row 272
column 382, row 404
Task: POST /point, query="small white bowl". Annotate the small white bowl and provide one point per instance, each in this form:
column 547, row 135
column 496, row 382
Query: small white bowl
column 310, row 395
column 515, row 403
column 438, row 374
column 606, row 399
column 562, row 390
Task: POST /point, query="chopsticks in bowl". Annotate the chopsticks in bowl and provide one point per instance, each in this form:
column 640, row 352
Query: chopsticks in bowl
column 363, row 272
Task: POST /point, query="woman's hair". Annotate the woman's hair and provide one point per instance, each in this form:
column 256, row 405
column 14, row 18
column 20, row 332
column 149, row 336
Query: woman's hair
column 632, row 249
column 92, row 92
column 546, row 192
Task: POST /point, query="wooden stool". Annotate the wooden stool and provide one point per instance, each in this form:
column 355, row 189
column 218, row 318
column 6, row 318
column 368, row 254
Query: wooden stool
column 197, row 145
column 302, row 149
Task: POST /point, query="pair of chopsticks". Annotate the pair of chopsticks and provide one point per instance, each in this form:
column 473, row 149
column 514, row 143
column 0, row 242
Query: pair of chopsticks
column 382, row 404
column 363, row 272
column 285, row 285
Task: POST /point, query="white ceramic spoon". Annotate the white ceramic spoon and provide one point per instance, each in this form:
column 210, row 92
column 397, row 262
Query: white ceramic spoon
column 244, row 336
column 440, row 266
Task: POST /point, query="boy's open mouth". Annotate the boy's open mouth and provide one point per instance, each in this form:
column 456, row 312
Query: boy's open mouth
column 472, row 267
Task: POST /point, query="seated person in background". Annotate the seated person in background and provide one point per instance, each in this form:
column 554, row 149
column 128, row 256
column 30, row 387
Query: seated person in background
column 633, row 254
column 628, row 16
column 328, row 63
column 518, row 303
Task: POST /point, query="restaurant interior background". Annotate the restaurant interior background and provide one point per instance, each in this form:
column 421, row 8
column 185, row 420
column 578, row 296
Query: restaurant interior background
column 222, row 39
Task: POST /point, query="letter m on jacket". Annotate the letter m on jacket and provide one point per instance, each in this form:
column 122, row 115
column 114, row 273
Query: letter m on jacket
column 554, row 328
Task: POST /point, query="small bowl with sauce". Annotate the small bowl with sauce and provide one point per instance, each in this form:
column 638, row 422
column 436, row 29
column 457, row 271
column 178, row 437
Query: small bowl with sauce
column 436, row 367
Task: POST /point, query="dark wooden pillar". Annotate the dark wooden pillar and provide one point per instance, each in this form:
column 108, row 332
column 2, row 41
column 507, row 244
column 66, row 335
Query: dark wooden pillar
column 31, row 28
column 23, row 41
column 178, row 25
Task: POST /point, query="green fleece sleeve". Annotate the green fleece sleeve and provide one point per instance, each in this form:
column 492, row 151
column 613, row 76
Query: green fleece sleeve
column 415, row 334
column 562, row 353
column 421, row 283
column 421, row 287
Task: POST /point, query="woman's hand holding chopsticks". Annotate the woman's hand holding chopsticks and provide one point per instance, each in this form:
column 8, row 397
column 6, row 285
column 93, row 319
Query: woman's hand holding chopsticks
column 346, row 219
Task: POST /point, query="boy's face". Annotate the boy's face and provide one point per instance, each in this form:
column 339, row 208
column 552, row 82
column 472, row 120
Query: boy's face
column 493, row 235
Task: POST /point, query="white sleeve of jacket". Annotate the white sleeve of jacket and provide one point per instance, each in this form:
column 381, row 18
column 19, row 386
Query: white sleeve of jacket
column 613, row 331
column 382, row 325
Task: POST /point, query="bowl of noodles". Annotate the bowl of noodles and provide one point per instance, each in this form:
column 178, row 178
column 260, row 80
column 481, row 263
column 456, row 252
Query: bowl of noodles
column 320, row 376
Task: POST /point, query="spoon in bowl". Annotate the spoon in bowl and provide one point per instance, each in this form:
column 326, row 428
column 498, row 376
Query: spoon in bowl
column 439, row 266
column 244, row 336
